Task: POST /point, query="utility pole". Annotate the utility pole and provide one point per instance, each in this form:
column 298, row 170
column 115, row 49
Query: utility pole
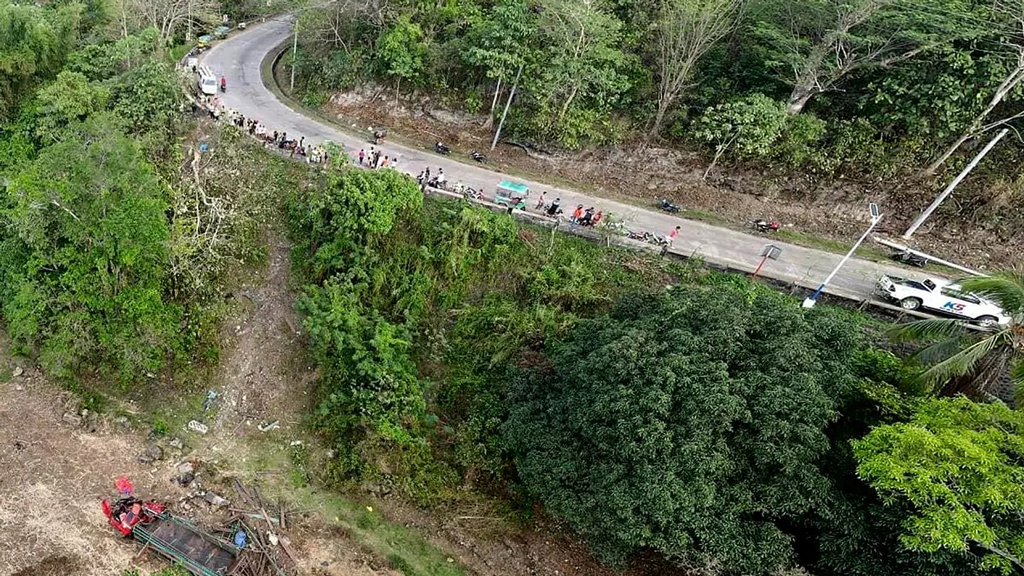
column 876, row 217
column 956, row 181
column 511, row 95
column 295, row 49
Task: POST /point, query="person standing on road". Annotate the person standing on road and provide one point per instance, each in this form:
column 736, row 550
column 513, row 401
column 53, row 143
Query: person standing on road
column 553, row 209
column 673, row 235
column 540, row 201
column 362, row 154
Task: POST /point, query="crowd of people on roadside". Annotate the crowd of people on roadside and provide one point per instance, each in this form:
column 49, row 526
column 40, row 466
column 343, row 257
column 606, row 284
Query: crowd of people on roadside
column 313, row 154
column 375, row 159
column 580, row 216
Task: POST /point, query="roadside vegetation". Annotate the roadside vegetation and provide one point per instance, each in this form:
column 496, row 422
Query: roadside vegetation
column 805, row 95
column 714, row 422
column 666, row 413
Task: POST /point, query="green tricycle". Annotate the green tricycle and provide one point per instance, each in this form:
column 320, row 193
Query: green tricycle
column 511, row 194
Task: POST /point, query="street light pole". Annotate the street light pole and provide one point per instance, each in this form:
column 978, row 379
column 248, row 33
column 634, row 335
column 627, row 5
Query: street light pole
column 949, row 189
column 876, row 217
column 295, row 49
column 512, row 94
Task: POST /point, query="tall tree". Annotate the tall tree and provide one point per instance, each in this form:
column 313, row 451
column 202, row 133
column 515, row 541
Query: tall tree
column 960, row 466
column 968, row 361
column 684, row 31
column 167, row 15
column 689, row 423
column 824, row 41
column 1009, row 17
column 583, row 58
column 33, row 44
column 502, row 42
column 401, row 51
column 90, row 219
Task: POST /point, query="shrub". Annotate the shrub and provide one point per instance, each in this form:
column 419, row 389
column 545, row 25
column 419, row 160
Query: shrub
column 690, row 423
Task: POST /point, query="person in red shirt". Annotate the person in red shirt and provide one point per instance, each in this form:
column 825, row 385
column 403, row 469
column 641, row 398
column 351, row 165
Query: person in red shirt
column 577, row 214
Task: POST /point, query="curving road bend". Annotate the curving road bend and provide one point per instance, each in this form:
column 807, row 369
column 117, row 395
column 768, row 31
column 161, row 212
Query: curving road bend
column 238, row 58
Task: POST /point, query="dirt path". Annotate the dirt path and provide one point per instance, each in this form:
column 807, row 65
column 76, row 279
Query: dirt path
column 260, row 377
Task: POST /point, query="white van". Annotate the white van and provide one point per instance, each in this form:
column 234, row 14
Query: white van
column 206, row 80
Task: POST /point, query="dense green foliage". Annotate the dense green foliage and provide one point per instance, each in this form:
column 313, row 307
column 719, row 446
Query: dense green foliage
column 88, row 224
column 715, row 423
column 712, row 422
column 401, row 293
column 691, row 423
column 96, row 274
column 959, row 467
column 886, row 86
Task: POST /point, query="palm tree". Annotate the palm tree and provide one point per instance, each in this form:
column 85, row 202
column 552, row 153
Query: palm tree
column 967, row 361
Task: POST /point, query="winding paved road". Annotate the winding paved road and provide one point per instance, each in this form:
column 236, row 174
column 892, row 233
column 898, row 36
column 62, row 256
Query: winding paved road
column 239, row 57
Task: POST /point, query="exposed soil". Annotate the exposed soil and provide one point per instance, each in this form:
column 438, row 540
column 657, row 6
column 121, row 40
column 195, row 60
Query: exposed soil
column 482, row 541
column 261, row 375
column 980, row 228
column 57, row 471
column 55, row 475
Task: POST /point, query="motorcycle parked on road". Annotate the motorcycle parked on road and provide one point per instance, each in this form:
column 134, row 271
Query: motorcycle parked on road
column 763, row 226
column 667, row 206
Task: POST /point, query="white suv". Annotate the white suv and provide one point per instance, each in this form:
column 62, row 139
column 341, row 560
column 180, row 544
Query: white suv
column 942, row 297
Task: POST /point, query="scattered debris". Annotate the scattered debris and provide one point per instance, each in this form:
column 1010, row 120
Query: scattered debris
column 198, row 427
column 216, row 500
column 18, row 371
column 267, row 427
column 72, row 419
column 185, row 474
column 175, row 443
column 211, row 397
column 152, row 454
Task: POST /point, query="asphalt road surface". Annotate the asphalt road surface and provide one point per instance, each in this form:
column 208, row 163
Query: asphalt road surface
column 238, row 59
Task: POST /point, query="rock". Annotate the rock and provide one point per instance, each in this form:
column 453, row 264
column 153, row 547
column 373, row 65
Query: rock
column 19, row 388
column 92, row 422
column 273, row 538
column 18, row 371
column 216, row 500
column 152, row 454
column 184, row 480
column 198, row 427
column 185, row 468
column 72, row 419
column 72, row 405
